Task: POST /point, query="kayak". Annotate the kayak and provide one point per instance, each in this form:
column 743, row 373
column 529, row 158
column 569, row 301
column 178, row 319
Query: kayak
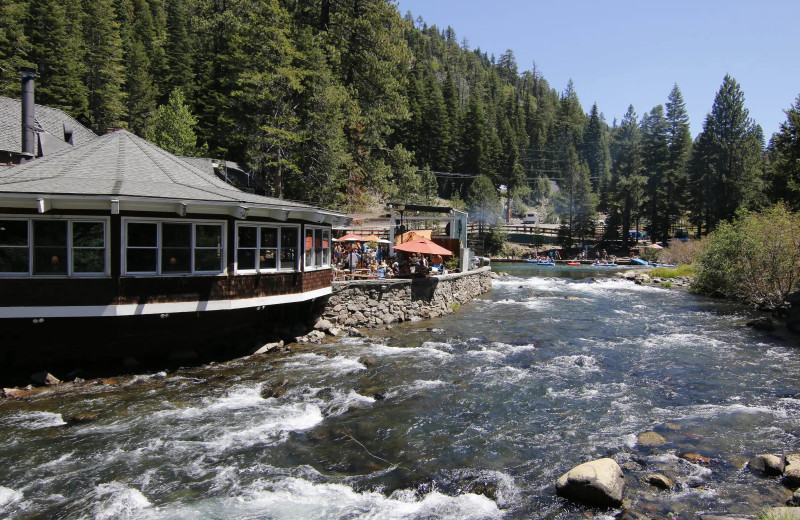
column 656, row 264
column 605, row 265
column 573, row 263
column 639, row 261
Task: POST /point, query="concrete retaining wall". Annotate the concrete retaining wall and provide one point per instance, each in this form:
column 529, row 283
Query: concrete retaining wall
column 371, row 303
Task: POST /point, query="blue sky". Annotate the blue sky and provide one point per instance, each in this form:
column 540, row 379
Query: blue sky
column 623, row 52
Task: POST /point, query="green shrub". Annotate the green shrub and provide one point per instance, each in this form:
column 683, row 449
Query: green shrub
column 755, row 258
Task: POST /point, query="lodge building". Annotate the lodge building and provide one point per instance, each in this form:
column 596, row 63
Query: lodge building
column 115, row 230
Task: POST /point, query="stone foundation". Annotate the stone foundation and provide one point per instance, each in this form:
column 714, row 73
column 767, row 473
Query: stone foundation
column 372, row 303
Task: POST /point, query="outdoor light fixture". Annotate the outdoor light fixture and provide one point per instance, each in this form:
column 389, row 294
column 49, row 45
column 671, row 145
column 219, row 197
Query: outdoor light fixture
column 241, row 212
column 114, row 207
column 182, row 209
column 43, row 205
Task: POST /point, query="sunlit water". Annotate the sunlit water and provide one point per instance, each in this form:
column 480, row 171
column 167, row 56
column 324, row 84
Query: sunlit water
column 470, row 416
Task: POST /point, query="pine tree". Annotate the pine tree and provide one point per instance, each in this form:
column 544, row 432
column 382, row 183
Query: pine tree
column 680, row 148
column 627, row 182
column 14, row 46
column 596, row 151
column 53, row 30
column 474, row 138
column 727, row 159
column 268, row 83
column 655, row 161
column 104, row 69
column 785, row 183
column 178, row 48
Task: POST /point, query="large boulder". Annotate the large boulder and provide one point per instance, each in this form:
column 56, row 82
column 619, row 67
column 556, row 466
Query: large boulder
column 791, row 473
column 596, row 483
column 765, row 464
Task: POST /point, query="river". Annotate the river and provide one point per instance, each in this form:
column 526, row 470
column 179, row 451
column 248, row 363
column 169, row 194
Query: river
column 469, row 416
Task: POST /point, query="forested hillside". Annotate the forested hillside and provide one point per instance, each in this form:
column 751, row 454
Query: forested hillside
column 345, row 102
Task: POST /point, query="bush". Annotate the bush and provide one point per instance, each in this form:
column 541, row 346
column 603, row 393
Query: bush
column 681, row 252
column 755, row 258
column 494, row 240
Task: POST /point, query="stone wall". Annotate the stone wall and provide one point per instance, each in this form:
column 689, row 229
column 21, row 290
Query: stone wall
column 371, row 303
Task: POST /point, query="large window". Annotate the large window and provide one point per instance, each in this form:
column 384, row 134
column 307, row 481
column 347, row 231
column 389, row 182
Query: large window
column 266, row 248
column 53, row 247
column 317, row 247
column 165, row 248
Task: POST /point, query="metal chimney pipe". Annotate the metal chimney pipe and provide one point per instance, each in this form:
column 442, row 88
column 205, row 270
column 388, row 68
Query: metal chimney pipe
column 28, row 121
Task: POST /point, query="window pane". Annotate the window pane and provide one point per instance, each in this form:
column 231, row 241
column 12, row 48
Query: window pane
column 50, row 233
column 49, row 260
column 141, row 260
column 247, row 236
column 269, row 237
column 13, row 233
column 142, row 235
column 267, row 259
column 88, row 260
column 176, row 260
column 246, row 259
column 208, row 235
column 13, row 259
column 289, row 237
column 87, row 234
column 309, row 248
column 318, row 257
column 176, row 235
column 208, row 260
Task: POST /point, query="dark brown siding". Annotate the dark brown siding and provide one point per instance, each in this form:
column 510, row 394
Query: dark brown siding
column 108, row 291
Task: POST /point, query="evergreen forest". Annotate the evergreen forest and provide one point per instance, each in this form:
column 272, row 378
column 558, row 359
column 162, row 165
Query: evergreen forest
column 348, row 103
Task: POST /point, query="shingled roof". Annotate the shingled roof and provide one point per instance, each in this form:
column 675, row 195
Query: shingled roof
column 122, row 165
column 51, row 120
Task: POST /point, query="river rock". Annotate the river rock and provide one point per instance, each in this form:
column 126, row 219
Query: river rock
column 275, row 391
column 83, row 418
column 323, row 325
column 765, row 324
column 595, row 483
column 791, row 473
column 650, row 439
column 696, row 458
column 766, row 464
column 795, row 500
column 45, row 378
column 659, row 481
column 268, row 347
column 15, row 393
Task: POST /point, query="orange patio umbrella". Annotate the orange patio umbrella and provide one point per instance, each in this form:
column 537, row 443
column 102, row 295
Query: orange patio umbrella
column 371, row 238
column 423, row 246
column 351, row 238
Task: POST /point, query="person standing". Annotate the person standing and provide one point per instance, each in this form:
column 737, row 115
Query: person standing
column 352, row 259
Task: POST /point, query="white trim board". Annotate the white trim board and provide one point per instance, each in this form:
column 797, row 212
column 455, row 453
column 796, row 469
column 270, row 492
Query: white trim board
column 91, row 311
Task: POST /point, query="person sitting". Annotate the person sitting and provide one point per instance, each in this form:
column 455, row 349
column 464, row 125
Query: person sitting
column 382, row 270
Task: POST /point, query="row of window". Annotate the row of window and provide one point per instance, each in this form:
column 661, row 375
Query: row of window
column 79, row 247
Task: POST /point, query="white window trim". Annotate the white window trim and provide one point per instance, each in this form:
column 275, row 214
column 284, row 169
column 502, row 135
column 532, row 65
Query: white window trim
column 326, row 252
column 159, row 246
column 278, row 267
column 106, row 221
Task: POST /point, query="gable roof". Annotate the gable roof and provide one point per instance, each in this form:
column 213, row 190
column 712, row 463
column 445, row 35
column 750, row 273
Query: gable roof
column 121, row 165
column 52, row 122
